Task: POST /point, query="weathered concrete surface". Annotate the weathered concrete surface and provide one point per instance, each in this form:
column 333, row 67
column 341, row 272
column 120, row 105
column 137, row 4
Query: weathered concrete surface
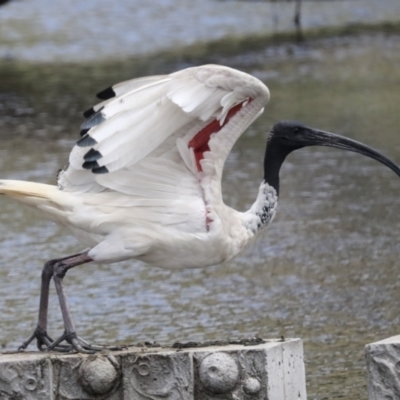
column 273, row 370
column 383, row 369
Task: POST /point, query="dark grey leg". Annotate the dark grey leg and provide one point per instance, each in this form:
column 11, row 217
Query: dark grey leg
column 60, row 268
column 40, row 333
column 57, row 269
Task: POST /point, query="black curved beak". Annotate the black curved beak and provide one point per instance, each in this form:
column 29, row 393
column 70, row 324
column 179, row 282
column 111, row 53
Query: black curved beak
column 287, row 136
column 313, row 137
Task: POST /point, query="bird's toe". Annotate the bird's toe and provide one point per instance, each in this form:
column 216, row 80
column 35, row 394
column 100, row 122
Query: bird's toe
column 43, row 340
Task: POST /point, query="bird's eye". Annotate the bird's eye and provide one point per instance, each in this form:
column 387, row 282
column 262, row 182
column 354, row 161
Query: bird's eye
column 296, row 130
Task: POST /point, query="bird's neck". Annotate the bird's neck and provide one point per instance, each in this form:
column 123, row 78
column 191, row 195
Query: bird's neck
column 263, row 210
column 275, row 155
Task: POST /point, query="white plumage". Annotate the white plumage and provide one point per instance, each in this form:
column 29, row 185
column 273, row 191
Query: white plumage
column 138, row 187
column 144, row 181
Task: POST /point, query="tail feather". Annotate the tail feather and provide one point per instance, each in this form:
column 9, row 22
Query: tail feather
column 27, row 192
column 46, row 198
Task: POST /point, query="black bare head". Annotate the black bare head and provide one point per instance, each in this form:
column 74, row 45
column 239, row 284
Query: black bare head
column 287, row 136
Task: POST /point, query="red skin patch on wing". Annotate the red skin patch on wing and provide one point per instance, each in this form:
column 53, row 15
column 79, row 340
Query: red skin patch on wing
column 208, row 222
column 199, row 143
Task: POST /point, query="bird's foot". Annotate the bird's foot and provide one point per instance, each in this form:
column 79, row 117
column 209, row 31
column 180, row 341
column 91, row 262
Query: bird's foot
column 80, row 345
column 46, row 343
column 75, row 343
column 43, row 341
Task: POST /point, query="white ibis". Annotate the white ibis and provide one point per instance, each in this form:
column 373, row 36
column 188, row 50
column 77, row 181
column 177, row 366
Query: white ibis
column 144, row 181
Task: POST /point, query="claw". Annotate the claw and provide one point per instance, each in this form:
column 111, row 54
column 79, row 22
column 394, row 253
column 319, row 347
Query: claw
column 43, row 341
column 27, row 342
column 76, row 343
column 46, row 343
column 81, row 348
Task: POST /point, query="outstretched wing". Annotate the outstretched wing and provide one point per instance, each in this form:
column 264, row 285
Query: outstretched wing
column 171, row 130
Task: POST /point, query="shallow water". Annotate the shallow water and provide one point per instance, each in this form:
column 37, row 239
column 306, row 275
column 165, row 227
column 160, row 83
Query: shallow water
column 326, row 271
column 45, row 30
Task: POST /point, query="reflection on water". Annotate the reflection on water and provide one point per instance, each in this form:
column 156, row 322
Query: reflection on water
column 327, row 269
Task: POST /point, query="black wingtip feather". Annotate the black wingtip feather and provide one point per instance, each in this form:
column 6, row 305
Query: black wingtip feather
column 90, row 165
column 92, row 155
column 84, row 132
column 106, row 94
column 89, row 112
column 86, row 141
column 100, row 170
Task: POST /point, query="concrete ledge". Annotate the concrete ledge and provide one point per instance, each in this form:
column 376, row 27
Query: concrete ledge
column 272, row 370
column 383, row 369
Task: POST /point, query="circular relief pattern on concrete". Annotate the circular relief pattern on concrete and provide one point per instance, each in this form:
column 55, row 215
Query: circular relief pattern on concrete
column 251, row 386
column 219, row 373
column 31, row 384
column 97, row 375
column 143, row 369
